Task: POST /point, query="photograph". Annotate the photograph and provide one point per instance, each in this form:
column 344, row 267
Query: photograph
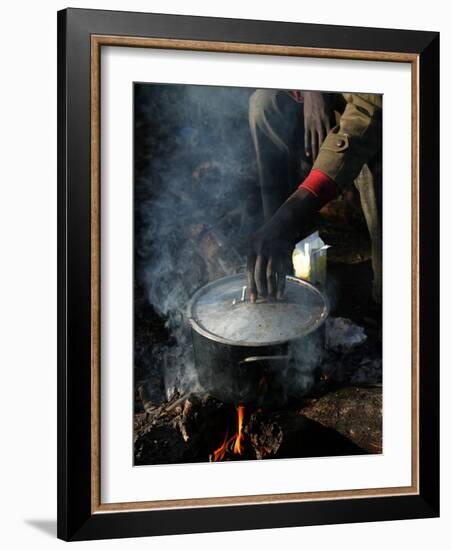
column 248, row 252
column 257, row 300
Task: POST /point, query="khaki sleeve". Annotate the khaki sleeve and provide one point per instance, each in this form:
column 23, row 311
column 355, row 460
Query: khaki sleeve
column 354, row 141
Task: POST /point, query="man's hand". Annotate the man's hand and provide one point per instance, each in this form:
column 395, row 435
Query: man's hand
column 318, row 121
column 268, row 264
column 269, row 256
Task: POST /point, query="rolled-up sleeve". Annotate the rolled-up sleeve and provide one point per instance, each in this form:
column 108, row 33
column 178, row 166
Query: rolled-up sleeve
column 354, row 141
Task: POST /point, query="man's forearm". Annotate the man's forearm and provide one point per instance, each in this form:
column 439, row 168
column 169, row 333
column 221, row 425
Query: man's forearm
column 295, row 216
column 321, row 186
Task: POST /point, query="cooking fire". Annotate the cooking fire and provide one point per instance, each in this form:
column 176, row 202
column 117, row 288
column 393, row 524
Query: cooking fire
column 235, row 442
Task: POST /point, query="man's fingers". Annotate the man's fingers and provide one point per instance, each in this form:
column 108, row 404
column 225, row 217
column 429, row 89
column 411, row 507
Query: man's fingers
column 314, row 145
column 260, row 275
column 281, row 279
column 321, row 136
column 250, row 278
column 307, row 143
column 271, row 278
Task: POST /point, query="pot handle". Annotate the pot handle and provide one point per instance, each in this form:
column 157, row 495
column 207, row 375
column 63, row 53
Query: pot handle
column 256, row 359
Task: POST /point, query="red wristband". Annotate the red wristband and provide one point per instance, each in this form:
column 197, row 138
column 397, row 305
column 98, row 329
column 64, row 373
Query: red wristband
column 319, row 183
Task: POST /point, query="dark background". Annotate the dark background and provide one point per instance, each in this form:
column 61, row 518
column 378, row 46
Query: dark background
column 194, row 165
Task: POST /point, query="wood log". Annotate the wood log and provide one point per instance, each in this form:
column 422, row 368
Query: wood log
column 354, row 412
column 185, row 429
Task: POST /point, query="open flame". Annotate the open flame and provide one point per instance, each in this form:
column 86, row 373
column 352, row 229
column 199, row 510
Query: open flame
column 237, row 448
column 237, row 439
column 221, row 450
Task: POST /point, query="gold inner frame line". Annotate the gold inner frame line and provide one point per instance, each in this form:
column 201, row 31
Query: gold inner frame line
column 97, row 41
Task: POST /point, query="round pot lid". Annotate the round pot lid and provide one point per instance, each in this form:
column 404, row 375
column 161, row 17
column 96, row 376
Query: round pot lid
column 218, row 311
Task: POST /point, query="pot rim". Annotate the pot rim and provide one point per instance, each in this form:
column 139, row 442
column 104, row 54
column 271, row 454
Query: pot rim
column 243, row 343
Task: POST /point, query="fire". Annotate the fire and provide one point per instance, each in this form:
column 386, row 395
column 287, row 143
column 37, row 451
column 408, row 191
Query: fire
column 220, row 451
column 237, row 439
column 237, row 448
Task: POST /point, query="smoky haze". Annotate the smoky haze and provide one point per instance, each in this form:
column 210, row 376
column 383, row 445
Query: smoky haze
column 196, row 204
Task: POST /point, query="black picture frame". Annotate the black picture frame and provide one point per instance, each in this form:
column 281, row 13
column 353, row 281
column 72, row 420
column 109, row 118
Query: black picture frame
column 76, row 519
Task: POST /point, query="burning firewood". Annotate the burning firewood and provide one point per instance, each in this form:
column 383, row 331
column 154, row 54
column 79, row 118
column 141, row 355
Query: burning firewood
column 233, row 445
column 266, row 437
column 198, row 428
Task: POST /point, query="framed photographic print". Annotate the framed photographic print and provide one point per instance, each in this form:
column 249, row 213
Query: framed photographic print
column 248, row 274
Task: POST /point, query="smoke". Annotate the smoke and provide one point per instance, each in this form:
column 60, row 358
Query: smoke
column 194, row 178
column 305, row 355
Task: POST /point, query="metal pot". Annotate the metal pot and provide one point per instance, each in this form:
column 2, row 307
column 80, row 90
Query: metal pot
column 253, row 353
